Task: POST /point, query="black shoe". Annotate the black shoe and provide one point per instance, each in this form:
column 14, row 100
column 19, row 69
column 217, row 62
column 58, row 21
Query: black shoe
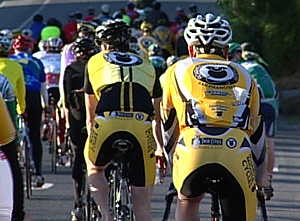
column 40, row 181
column 269, row 193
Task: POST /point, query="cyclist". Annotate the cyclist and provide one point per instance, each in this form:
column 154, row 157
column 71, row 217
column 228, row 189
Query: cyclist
column 7, row 144
column 119, row 86
column 105, row 14
column 163, row 34
column 156, row 58
column 73, row 81
column 9, row 152
column 217, row 108
column 85, row 29
column 269, row 106
column 147, row 38
column 51, row 61
column 35, row 89
column 250, row 54
column 235, row 52
column 13, row 71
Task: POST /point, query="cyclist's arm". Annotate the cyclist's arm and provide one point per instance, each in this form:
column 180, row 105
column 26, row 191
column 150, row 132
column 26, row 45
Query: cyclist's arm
column 157, row 131
column 91, row 104
column 21, row 106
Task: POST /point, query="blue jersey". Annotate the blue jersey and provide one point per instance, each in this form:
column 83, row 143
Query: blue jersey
column 33, row 69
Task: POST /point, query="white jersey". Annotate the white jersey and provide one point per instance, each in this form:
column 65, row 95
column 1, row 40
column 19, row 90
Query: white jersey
column 51, row 62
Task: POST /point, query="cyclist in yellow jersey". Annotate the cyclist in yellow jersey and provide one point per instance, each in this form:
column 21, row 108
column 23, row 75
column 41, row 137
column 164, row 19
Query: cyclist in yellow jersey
column 12, row 196
column 14, row 72
column 220, row 135
column 122, row 97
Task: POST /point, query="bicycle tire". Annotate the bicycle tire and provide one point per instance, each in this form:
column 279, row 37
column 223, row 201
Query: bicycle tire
column 69, row 150
column 113, row 183
column 53, row 145
column 126, row 204
column 27, row 166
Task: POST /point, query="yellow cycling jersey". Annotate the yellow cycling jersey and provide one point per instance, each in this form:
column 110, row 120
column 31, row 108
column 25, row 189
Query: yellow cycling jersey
column 122, row 81
column 208, row 90
column 8, row 131
column 14, row 72
column 144, row 42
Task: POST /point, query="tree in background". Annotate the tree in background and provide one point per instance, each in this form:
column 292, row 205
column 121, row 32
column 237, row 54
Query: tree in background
column 272, row 26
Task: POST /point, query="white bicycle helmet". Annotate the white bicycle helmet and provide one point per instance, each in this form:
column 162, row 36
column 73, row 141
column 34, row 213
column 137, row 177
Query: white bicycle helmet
column 208, row 30
column 54, row 44
column 5, row 44
column 6, row 33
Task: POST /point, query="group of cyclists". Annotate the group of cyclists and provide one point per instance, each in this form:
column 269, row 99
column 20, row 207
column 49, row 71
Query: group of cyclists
column 182, row 92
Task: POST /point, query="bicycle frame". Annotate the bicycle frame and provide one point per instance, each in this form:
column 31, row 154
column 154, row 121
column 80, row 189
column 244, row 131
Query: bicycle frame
column 120, row 195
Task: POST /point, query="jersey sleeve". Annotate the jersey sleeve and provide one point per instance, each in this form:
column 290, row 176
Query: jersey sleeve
column 87, row 87
column 21, row 106
column 157, row 90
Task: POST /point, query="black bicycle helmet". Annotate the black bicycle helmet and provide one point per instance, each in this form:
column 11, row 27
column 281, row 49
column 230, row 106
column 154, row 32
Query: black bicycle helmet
column 84, row 47
column 115, row 33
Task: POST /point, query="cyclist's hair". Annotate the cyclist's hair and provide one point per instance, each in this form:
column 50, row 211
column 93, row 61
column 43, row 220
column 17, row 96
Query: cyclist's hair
column 54, row 44
column 5, row 45
column 23, row 43
column 84, row 47
column 115, row 33
column 209, row 32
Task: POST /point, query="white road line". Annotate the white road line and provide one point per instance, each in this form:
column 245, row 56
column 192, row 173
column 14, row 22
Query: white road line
column 27, row 21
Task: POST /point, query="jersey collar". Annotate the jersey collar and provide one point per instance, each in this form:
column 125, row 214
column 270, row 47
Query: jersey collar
column 210, row 56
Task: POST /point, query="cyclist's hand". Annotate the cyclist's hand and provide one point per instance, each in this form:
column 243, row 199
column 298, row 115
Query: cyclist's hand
column 162, row 165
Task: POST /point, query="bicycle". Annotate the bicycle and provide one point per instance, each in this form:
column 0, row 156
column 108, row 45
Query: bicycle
column 120, row 195
column 25, row 156
column 213, row 190
column 68, row 148
column 54, row 121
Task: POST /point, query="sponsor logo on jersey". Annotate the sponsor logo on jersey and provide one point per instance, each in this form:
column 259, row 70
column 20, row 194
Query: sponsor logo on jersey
column 216, row 74
column 121, row 114
column 139, row 116
column 122, row 58
column 231, row 143
column 248, row 166
column 207, row 143
column 217, row 93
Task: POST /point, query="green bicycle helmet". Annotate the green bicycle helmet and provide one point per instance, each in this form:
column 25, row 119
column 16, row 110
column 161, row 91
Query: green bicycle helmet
column 233, row 46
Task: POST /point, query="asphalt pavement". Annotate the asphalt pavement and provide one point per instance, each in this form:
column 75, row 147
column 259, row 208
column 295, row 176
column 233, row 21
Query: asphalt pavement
column 54, row 200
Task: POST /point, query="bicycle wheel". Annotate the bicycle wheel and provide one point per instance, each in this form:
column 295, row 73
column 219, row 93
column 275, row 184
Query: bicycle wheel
column 126, row 210
column 27, row 167
column 53, row 145
column 113, row 191
column 69, row 149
